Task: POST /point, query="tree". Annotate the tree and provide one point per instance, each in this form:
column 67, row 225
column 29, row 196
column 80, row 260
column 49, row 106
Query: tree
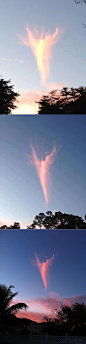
column 3, row 227
column 16, row 225
column 6, row 296
column 66, row 101
column 58, row 220
column 80, row 1
column 7, row 97
column 72, row 319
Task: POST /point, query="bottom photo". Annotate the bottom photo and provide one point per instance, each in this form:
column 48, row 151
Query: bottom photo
column 43, row 286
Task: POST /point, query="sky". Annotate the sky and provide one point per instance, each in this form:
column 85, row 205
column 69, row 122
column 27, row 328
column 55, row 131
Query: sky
column 42, row 166
column 43, row 47
column 47, row 269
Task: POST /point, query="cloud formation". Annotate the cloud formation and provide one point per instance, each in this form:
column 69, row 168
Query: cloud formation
column 13, row 60
column 44, row 269
column 38, row 308
column 41, row 48
column 42, row 168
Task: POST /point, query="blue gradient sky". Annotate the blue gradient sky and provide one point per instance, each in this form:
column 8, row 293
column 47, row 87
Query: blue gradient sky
column 21, row 193
column 66, row 282
column 67, row 63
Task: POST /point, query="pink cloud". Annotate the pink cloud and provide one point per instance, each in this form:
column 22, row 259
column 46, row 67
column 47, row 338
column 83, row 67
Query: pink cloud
column 41, row 48
column 13, row 60
column 55, row 86
column 48, row 306
column 44, row 269
column 42, row 168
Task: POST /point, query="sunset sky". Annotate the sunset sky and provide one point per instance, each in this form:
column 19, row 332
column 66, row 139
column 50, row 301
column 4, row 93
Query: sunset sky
column 42, row 166
column 43, row 47
column 60, row 280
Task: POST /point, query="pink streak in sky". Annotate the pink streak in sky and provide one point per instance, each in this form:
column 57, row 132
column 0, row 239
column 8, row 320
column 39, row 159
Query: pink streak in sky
column 41, row 49
column 42, row 168
column 44, row 269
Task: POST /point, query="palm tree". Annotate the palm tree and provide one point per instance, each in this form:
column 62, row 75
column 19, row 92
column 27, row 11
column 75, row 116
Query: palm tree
column 6, row 296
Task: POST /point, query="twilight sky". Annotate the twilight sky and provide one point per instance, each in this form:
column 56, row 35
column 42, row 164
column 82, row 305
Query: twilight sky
column 43, row 47
column 47, row 269
column 42, row 166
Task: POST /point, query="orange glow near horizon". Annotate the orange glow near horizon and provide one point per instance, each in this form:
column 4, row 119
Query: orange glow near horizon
column 42, row 168
column 41, row 49
column 40, row 307
column 44, row 269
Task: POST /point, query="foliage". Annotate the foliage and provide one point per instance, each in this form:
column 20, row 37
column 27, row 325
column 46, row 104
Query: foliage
column 16, row 225
column 6, row 296
column 66, row 101
column 57, row 221
column 80, row 1
column 7, row 97
column 72, row 320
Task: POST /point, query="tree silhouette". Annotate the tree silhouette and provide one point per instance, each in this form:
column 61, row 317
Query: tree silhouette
column 4, row 227
column 6, row 296
column 65, row 101
column 8, row 320
column 7, row 97
column 72, row 320
column 16, row 225
column 80, row 1
column 57, row 221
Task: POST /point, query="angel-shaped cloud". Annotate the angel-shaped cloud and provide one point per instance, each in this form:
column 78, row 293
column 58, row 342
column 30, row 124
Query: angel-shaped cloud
column 42, row 167
column 44, row 269
column 41, row 49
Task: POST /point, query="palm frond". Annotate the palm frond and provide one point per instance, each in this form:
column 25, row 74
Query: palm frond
column 16, row 307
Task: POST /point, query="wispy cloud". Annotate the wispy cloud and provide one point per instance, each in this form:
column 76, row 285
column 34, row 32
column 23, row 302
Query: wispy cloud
column 44, row 269
column 55, row 86
column 38, row 308
column 41, row 48
column 42, row 168
column 13, row 60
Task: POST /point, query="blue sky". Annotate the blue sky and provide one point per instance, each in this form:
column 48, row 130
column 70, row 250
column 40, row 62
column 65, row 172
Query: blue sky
column 67, row 56
column 54, row 143
column 65, row 277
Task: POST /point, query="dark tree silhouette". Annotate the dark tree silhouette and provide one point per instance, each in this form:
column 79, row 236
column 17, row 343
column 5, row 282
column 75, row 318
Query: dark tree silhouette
column 7, row 312
column 66, row 101
column 4, row 227
column 7, row 97
column 16, row 225
column 72, row 320
column 80, row 1
column 57, row 221
column 6, row 296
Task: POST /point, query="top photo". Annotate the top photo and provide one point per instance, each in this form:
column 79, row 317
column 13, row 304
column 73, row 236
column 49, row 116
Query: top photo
column 43, row 57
